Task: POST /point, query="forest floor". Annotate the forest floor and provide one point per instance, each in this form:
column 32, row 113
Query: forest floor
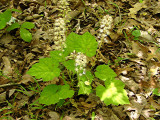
column 135, row 60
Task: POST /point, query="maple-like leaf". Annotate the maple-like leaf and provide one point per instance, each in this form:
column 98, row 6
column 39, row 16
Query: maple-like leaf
column 113, row 92
column 70, row 65
column 104, row 72
column 85, row 43
column 53, row 93
column 47, row 69
column 58, row 55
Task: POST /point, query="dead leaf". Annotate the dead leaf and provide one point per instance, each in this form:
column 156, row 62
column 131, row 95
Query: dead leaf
column 6, row 39
column 138, row 6
column 139, row 49
column 135, row 107
column 7, row 70
column 53, row 115
column 26, row 78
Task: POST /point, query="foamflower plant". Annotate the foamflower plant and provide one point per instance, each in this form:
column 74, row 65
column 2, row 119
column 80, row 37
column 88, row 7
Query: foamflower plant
column 74, row 57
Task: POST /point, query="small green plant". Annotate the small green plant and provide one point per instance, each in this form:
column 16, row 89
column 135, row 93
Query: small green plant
column 48, row 68
column 6, row 18
column 24, row 30
column 156, row 91
column 136, row 34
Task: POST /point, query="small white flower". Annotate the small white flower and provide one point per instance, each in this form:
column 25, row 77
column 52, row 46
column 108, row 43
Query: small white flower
column 80, row 74
column 60, row 54
column 86, row 83
column 76, row 69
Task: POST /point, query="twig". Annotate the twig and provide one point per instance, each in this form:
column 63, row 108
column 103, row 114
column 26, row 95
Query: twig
column 14, row 84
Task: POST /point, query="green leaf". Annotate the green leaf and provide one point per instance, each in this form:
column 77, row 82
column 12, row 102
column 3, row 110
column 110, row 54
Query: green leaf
column 4, row 18
column 104, row 72
column 7, row 15
column 85, row 43
column 25, row 35
column 156, row 91
column 85, row 83
column 13, row 26
column 27, row 25
column 52, row 94
column 70, row 65
column 46, row 69
column 83, row 88
column 3, row 22
column 136, row 33
column 57, row 55
column 113, row 93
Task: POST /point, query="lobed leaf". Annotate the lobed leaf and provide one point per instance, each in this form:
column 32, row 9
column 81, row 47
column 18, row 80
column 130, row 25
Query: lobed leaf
column 46, row 69
column 113, row 93
column 104, row 72
column 52, row 94
column 70, row 65
column 57, row 55
column 85, row 43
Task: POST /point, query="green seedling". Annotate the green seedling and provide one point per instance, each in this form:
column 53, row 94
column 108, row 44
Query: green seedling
column 156, row 91
column 48, row 68
column 24, row 30
column 136, row 34
column 7, row 19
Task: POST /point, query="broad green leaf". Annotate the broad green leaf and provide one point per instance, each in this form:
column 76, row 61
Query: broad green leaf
column 4, row 18
column 57, row 55
column 156, row 91
column 113, row 93
column 7, row 15
column 3, row 22
column 13, row 26
column 25, row 35
column 52, row 94
column 85, row 83
column 46, row 69
column 70, row 65
column 87, row 77
column 85, row 43
column 104, row 72
column 83, row 88
column 136, row 33
column 27, row 25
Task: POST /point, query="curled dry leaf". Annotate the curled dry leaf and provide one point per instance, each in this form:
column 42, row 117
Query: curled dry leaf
column 135, row 107
column 7, row 70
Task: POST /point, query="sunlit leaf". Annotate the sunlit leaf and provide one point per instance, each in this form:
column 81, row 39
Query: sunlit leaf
column 85, row 43
column 113, row 93
column 104, row 72
column 46, row 69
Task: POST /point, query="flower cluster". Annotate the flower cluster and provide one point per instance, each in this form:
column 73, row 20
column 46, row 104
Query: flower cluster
column 80, row 63
column 105, row 26
column 59, row 34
